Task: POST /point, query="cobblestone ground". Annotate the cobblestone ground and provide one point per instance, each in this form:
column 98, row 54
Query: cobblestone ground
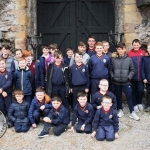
column 134, row 135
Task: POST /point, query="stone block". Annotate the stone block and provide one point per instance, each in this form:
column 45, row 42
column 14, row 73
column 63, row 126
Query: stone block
column 22, row 34
column 22, row 3
column 129, row 37
column 21, row 43
column 14, row 28
column 22, row 20
column 129, row 1
column 128, row 28
column 130, row 8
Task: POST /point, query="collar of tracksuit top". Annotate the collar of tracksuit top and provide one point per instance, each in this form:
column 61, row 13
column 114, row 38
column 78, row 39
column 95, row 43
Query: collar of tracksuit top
column 3, row 72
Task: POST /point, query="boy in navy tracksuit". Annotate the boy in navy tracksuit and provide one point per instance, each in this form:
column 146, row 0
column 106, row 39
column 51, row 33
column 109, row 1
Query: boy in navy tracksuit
column 106, row 123
column 57, row 79
column 99, row 66
column 84, row 112
column 40, row 106
column 5, row 87
column 97, row 97
column 18, row 112
column 23, row 79
column 146, row 75
column 79, row 77
column 69, row 52
column 58, row 118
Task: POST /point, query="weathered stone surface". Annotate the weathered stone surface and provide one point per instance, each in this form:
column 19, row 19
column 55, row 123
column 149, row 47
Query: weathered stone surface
column 141, row 3
column 22, row 34
column 129, row 1
column 129, row 37
column 22, row 19
column 21, row 43
column 22, row 3
column 129, row 28
column 130, row 8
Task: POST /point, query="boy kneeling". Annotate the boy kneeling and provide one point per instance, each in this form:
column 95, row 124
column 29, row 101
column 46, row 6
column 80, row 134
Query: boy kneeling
column 106, row 121
column 58, row 117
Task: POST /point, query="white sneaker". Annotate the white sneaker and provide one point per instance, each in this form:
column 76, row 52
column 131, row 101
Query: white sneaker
column 136, row 109
column 140, row 107
column 134, row 116
column 120, row 113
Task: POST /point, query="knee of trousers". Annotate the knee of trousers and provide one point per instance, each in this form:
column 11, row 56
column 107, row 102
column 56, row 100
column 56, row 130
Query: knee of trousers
column 56, row 133
column 110, row 138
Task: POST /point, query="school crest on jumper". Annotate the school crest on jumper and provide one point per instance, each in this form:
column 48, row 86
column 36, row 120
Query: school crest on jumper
column 6, row 76
column 86, row 111
column 83, row 70
column 104, row 60
column 110, row 116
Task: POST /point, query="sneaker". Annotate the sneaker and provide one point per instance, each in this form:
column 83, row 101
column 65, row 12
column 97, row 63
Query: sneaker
column 120, row 113
column 134, row 116
column 136, row 109
column 140, row 107
column 43, row 134
column 147, row 109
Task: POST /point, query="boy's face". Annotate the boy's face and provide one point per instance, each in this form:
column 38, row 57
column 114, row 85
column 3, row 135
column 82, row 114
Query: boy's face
column 45, row 51
column 18, row 54
column 103, row 85
column 78, row 58
column 29, row 58
column 53, row 51
column 39, row 96
column 69, row 53
column 91, row 42
column 2, row 65
column 148, row 49
column 136, row 46
column 99, row 49
column 106, row 46
column 56, row 104
column 81, row 48
column 58, row 59
column 22, row 64
column 121, row 51
column 19, row 98
column 5, row 51
column 106, row 103
column 82, row 101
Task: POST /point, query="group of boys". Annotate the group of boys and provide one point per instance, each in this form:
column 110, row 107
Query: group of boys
column 85, row 73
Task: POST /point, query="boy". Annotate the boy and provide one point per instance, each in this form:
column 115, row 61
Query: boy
column 57, row 117
column 40, row 106
column 84, row 112
column 57, row 79
column 69, row 52
column 82, row 49
column 91, row 45
column 146, row 76
column 18, row 54
column 23, row 79
column 106, row 48
column 97, row 97
column 122, row 71
column 137, row 84
column 18, row 112
column 53, row 48
column 5, row 87
column 106, row 123
column 79, row 77
column 99, row 66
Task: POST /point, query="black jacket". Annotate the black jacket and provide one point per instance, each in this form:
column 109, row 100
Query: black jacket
column 122, row 69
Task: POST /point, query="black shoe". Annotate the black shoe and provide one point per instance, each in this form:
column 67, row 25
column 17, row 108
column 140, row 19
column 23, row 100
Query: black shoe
column 9, row 124
column 43, row 134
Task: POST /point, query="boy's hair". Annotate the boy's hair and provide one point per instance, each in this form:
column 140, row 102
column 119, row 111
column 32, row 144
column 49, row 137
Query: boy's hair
column 69, row 49
column 3, row 59
column 26, row 53
column 18, row 50
column 18, row 92
column 21, row 59
column 81, row 94
column 56, row 98
column 79, row 53
column 81, row 44
column 40, row 89
column 121, row 45
column 106, row 97
column 99, row 44
column 57, row 54
column 103, row 80
column 45, row 46
column 53, row 46
column 92, row 36
column 6, row 46
column 136, row 41
column 105, row 42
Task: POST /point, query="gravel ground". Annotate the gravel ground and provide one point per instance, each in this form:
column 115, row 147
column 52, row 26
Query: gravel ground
column 133, row 135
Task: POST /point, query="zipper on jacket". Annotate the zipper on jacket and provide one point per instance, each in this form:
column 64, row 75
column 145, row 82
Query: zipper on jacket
column 22, row 80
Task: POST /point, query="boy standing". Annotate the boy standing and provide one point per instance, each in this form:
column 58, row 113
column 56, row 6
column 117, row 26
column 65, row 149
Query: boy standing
column 84, row 112
column 99, row 66
column 53, row 48
column 106, row 123
column 57, row 117
column 137, row 84
column 106, row 48
column 18, row 112
column 18, row 54
column 40, row 106
column 69, row 52
column 122, row 71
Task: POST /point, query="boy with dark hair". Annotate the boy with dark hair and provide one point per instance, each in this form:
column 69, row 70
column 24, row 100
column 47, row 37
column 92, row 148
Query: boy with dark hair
column 79, row 77
column 106, row 123
column 5, row 87
column 84, row 112
column 122, row 71
column 53, row 48
column 18, row 54
column 69, row 52
column 99, row 66
column 57, row 79
column 106, row 48
column 82, row 49
column 18, row 112
column 40, row 106
column 57, row 117
column 137, row 84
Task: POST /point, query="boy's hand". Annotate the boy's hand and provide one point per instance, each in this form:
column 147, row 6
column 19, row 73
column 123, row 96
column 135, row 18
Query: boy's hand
column 46, row 119
column 116, row 135
column 34, row 125
column 145, row 81
column 86, row 90
column 71, row 129
column 93, row 134
column 71, row 90
column 1, row 91
column 42, row 107
column 83, row 127
column 98, row 107
column 4, row 94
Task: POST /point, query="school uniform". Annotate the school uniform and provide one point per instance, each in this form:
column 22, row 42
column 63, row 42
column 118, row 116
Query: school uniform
column 67, row 61
column 106, row 124
column 85, row 116
column 79, row 80
column 5, row 85
column 91, row 52
column 98, row 69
